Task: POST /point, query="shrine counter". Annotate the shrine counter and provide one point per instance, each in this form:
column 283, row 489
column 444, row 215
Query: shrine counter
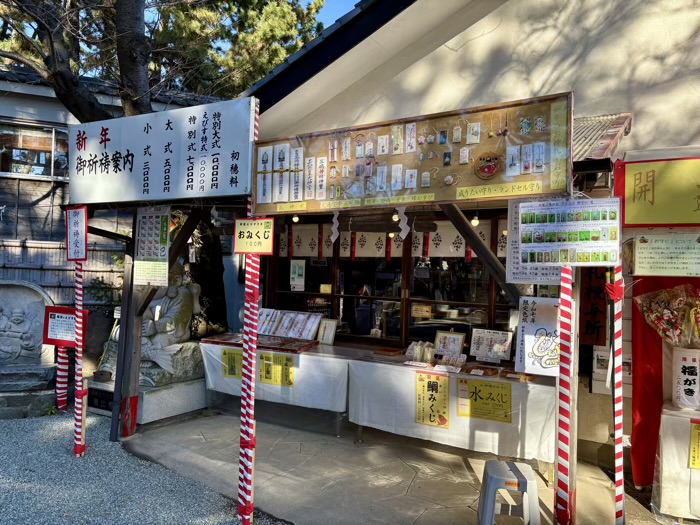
column 507, row 417
column 316, row 378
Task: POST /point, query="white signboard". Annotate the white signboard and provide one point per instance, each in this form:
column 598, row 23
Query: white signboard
column 490, row 345
column 538, row 336
column 297, row 278
column 516, row 271
column 61, row 326
column 76, row 233
column 573, row 232
column 203, row 151
column 670, row 254
column 152, row 246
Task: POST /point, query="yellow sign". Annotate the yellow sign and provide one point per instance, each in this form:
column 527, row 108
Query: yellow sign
column 485, row 400
column 326, row 288
column 500, row 190
column 694, row 456
column 433, row 399
column 254, row 236
column 662, row 193
column 291, row 206
column 401, row 199
column 424, row 311
column 337, row 205
column 277, row 369
column 232, row 361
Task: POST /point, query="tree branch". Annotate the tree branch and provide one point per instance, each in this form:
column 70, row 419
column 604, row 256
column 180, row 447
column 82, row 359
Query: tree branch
column 25, row 61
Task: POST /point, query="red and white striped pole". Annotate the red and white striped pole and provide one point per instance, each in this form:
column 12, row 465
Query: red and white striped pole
column 617, row 294
column 250, row 344
column 80, row 390
column 565, row 498
column 62, row 379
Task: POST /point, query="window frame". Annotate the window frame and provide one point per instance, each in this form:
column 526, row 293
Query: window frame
column 40, row 125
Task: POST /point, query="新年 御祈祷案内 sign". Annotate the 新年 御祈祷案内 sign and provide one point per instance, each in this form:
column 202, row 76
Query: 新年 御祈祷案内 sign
column 202, row 151
column 520, row 148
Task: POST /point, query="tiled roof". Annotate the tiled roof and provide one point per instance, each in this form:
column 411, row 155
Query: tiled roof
column 598, row 137
column 25, row 75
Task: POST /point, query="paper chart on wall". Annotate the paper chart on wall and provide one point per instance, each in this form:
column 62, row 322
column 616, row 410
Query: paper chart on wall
column 516, row 271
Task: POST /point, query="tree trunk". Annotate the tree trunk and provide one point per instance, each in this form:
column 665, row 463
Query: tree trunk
column 78, row 99
column 133, row 53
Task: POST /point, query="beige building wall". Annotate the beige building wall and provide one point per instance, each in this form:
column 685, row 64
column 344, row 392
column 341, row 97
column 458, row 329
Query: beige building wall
column 637, row 56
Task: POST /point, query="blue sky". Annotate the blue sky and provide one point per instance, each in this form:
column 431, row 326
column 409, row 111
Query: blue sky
column 334, row 9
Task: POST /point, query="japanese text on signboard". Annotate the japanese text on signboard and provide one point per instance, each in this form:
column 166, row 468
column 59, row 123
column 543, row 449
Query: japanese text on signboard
column 76, row 233
column 485, row 400
column 254, row 236
column 203, row 151
column 433, row 399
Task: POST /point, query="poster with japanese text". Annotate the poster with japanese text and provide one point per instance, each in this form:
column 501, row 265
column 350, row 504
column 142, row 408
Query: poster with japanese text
column 448, row 157
column 76, row 233
column 686, row 378
column 152, row 246
column 202, row 151
column 254, row 236
column 276, row 369
column 516, row 271
column 232, row 363
column 433, row 399
column 694, row 455
column 572, row 232
column 482, row 399
column 668, row 254
column 59, row 325
column 537, row 350
column 490, row 345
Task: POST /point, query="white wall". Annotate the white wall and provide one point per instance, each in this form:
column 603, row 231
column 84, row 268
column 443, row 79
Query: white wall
column 637, row 56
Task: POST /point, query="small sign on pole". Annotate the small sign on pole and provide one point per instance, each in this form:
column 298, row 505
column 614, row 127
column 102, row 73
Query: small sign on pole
column 254, row 236
column 59, row 325
column 76, row 233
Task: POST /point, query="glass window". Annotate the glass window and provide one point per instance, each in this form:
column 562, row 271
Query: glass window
column 450, row 279
column 360, row 316
column 373, row 276
column 33, row 151
column 316, row 272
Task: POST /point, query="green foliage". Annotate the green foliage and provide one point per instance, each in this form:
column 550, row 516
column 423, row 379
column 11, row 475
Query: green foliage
column 211, row 47
column 52, row 411
column 103, row 292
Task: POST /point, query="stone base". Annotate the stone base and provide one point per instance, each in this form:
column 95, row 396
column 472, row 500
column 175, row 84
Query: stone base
column 154, row 403
column 16, row 405
column 22, row 378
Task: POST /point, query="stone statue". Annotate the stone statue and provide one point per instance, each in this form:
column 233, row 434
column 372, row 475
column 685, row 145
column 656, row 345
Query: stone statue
column 164, row 335
column 19, row 336
column 166, row 322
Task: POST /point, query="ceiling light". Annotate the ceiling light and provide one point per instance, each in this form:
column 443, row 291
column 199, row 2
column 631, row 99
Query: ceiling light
column 505, row 233
column 475, row 220
column 391, row 235
column 295, row 218
column 395, row 217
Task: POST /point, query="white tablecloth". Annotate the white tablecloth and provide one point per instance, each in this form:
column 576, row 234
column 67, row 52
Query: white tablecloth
column 678, row 491
column 383, row 396
column 320, row 381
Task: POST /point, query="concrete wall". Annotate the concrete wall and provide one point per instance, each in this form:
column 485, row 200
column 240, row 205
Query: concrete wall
column 638, row 56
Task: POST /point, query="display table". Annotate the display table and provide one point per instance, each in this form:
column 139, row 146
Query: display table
column 383, row 396
column 677, row 493
column 320, row 376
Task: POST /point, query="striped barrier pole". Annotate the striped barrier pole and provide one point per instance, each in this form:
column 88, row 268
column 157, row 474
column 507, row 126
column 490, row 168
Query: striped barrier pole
column 564, row 499
column 616, row 291
column 62, row 379
column 80, row 385
column 250, row 344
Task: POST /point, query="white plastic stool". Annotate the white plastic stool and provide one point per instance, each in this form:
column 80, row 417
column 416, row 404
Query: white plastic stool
column 508, row 475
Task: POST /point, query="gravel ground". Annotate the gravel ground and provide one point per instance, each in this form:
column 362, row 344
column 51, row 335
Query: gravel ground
column 42, row 483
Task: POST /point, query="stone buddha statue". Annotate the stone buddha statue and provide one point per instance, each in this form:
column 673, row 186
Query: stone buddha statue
column 166, row 326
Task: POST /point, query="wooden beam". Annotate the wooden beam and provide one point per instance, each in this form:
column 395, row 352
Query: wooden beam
column 109, row 235
column 486, row 256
